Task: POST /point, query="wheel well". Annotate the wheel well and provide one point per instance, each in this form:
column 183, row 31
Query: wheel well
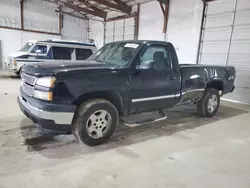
column 216, row 84
column 112, row 96
column 20, row 69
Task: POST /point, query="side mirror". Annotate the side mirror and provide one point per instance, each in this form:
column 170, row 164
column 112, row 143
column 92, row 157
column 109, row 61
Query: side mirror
column 146, row 65
column 137, row 67
column 137, row 70
column 38, row 51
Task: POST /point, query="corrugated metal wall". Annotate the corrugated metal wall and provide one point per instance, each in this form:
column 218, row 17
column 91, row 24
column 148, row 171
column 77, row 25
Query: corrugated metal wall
column 183, row 28
column 226, row 41
column 120, row 30
column 96, row 32
column 74, row 29
column 10, row 14
column 151, row 22
column 38, row 16
column 1, row 64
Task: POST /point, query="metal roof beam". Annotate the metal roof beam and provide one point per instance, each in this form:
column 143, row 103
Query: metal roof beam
column 81, row 9
column 133, row 15
column 85, row 2
column 119, row 5
column 122, row 4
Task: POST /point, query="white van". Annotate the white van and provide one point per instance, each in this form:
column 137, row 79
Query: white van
column 47, row 50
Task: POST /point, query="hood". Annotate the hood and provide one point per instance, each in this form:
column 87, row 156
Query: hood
column 56, row 67
column 17, row 54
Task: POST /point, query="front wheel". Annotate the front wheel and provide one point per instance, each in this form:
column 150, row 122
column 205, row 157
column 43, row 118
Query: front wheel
column 95, row 121
column 209, row 104
column 18, row 73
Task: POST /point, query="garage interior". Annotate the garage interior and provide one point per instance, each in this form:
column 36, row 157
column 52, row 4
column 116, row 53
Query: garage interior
column 183, row 151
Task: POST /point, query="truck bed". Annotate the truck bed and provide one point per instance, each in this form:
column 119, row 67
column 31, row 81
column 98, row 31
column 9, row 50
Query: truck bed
column 195, row 78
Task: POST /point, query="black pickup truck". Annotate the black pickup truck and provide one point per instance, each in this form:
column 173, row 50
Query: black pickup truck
column 122, row 78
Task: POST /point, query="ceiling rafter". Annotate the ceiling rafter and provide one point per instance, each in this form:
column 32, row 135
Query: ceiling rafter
column 111, row 9
column 119, row 6
column 87, row 4
column 98, row 13
column 120, row 3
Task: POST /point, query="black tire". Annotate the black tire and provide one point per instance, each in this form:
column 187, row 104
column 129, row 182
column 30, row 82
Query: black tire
column 203, row 105
column 83, row 113
column 18, row 73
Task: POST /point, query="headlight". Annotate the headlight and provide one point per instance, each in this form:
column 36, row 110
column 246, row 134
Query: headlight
column 47, row 81
column 14, row 62
column 43, row 95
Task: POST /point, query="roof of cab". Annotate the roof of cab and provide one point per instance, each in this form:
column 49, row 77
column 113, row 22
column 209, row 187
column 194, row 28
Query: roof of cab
column 143, row 41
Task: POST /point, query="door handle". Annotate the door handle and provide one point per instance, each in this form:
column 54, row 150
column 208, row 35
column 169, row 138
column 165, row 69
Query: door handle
column 171, row 77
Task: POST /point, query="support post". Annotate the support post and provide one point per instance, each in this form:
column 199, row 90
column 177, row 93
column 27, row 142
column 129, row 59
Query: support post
column 60, row 19
column 137, row 22
column 114, row 32
column 166, row 17
column 104, row 32
column 162, row 8
column 21, row 14
column 231, row 33
column 123, row 29
column 203, row 24
column 165, row 14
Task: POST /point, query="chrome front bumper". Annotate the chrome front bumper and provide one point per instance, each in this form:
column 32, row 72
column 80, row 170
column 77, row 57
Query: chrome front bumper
column 12, row 68
column 58, row 117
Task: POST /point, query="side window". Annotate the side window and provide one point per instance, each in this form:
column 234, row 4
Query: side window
column 82, row 54
column 40, row 49
column 63, row 53
column 156, row 57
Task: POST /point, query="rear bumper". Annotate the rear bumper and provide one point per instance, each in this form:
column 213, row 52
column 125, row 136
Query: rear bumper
column 52, row 121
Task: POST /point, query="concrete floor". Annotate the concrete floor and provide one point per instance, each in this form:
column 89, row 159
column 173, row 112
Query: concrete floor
column 186, row 151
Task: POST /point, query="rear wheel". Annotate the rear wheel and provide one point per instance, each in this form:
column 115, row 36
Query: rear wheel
column 95, row 121
column 209, row 104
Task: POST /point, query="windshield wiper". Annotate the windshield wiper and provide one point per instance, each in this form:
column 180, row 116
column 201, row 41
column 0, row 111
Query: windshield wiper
column 105, row 62
column 102, row 60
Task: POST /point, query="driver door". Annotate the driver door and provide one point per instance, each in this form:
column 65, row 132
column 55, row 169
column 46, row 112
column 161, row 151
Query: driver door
column 155, row 85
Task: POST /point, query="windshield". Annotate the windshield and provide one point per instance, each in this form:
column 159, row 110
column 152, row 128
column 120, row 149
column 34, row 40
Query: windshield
column 118, row 53
column 26, row 47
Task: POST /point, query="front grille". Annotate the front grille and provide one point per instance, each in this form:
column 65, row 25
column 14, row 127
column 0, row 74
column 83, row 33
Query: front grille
column 29, row 90
column 28, row 84
column 31, row 80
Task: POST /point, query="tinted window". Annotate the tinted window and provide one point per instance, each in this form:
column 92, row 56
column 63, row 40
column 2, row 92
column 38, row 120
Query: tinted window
column 61, row 53
column 82, row 54
column 156, row 57
column 42, row 48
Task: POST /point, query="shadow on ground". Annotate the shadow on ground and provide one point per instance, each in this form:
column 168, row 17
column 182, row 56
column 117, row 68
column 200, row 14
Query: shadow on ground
column 63, row 146
column 12, row 76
